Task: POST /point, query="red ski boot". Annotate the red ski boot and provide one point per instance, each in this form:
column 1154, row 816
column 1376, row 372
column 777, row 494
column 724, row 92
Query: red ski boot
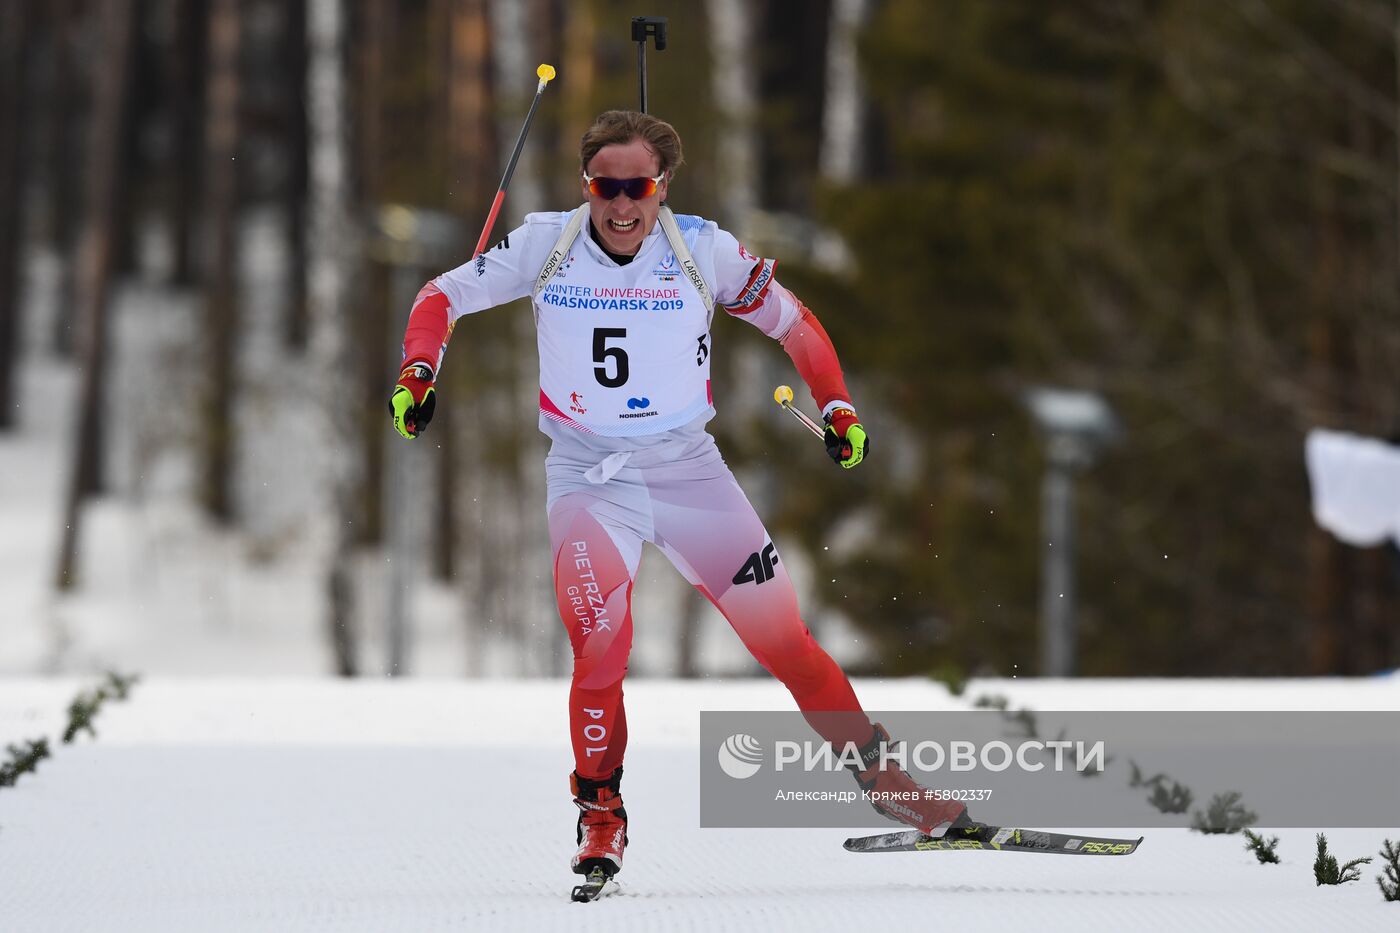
column 602, row 823
column 899, row 798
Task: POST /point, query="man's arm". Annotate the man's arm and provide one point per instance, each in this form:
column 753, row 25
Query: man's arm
column 501, row 274
column 763, row 302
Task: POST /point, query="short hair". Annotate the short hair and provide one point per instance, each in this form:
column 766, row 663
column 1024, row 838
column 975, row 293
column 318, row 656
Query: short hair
column 619, row 127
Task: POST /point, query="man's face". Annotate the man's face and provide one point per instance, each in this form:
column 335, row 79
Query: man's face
column 623, row 223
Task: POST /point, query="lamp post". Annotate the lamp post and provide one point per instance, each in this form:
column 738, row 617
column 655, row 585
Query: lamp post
column 1075, row 426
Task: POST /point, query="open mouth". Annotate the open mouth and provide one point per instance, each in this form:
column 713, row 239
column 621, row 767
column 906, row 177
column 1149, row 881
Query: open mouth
column 623, row 227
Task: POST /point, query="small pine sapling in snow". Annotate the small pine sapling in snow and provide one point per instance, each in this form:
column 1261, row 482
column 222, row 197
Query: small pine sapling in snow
column 1177, row 799
column 85, row 706
column 1265, row 852
column 23, row 760
column 1024, row 719
column 81, row 713
column 118, row 687
column 1226, row 814
column 1326, row 870
column 1389, row 880
column 1135, row 779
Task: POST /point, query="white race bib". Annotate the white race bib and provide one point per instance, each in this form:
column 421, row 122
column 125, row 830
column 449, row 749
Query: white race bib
column 623, row 350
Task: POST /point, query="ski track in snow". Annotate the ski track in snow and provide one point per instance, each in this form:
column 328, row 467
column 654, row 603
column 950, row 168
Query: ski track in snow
column 417, row 806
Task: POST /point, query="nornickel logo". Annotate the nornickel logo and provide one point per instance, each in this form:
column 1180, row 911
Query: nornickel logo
column 740, row 756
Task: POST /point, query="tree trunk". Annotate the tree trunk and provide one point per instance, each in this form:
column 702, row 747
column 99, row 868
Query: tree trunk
column 110, row 106
column 14, row 42
column 734, row 84
column 64, row 174
column 516, row 567
column 332, row 356
column 471, row 137
column 371, row 61
column 186, row 69
column 579, row 64
column 221, row 280
column 735, row 90
column 294, row 116
column 129, row 168
column 844, row 113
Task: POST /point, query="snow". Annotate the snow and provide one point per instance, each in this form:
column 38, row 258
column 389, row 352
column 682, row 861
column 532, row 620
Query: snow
column 297, row 804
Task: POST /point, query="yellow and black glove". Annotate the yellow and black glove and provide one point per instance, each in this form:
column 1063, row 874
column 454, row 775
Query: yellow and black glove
column 846, row 441
column 413, row 400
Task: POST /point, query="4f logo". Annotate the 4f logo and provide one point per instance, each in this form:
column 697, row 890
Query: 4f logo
column 759, row 567
column 702, row 351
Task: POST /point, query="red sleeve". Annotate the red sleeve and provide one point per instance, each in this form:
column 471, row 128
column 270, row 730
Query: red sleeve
column 815, row 358
column 429, row 326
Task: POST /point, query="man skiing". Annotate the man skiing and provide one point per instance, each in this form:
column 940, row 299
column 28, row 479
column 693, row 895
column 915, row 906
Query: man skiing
column 623, row 295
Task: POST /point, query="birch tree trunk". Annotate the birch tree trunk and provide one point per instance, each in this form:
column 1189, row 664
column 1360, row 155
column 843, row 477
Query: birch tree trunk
column 515, row 576
column 844, row 110
column 844, row 117
column 735, row 88
column 330, row 261
column 734, row 85
column 471, row 136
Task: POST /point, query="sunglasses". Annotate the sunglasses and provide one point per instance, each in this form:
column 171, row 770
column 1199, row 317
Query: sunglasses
column 609, row 188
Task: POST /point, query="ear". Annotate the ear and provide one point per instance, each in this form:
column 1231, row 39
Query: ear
column 661, row 189
column 583, row 186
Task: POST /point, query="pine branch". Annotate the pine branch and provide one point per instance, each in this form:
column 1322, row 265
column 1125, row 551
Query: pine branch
column 1265, row 852
column 1389, row 880
column 23, row 760
column 1137, row 780
column 1226, row 814
column 85, row 706
column 118, row 686
column 81, row 713
column 1025, row 719
column 1176, row 800
column 1325, row 868
column 1351, row 870
column 989, row 701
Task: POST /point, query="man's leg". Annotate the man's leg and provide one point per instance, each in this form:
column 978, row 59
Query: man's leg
column 707, row 528
column 593, row 586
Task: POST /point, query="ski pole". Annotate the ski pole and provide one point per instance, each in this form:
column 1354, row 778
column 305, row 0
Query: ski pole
column 643, row 26
column 783, row 396
column 546, row 74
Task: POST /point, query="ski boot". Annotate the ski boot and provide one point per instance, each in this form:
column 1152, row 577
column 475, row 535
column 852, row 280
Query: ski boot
column 602, row 824
column 907, row 802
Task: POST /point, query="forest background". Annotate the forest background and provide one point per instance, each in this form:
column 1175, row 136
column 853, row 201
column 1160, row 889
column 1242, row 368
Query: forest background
column 1192, row 210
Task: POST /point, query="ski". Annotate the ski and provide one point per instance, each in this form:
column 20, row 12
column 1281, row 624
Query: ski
column 597, row 883
column 997, row 838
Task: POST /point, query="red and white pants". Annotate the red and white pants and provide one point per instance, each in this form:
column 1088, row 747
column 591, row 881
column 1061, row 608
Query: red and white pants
column 680, row 496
